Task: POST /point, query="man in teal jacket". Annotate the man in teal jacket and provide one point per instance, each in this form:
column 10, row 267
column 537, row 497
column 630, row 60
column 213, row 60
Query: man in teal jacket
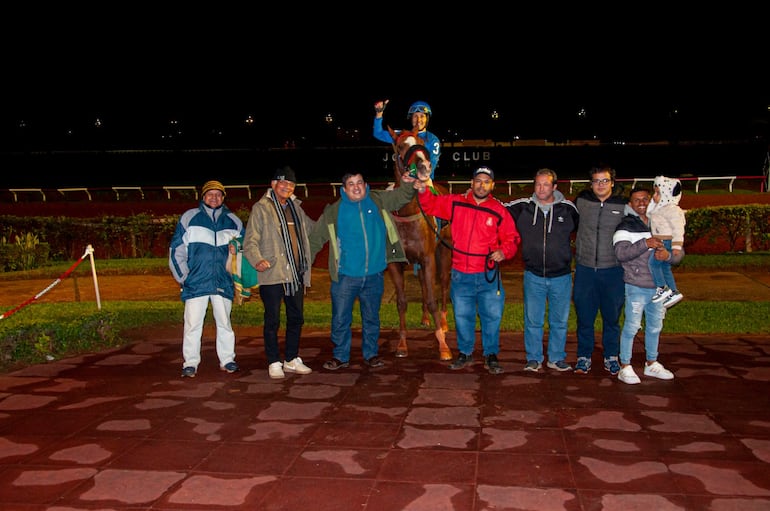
column 362, row 241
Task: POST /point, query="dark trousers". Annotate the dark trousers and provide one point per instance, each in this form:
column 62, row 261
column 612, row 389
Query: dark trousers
column 594, row 291
column 272, row 297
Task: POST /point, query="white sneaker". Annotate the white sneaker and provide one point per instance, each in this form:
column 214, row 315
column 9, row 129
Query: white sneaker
column 672, row 300
column 275, row 370
column 296, row 366
column 627, row 375
column 656, row 370
column 661, row 294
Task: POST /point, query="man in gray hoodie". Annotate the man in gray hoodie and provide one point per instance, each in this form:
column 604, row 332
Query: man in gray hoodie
column 546, row 221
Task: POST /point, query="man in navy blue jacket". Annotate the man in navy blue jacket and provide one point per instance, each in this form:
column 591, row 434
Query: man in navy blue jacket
column 546, row 221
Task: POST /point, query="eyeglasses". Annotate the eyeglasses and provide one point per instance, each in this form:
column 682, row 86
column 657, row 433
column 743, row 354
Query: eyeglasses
column 603, row 181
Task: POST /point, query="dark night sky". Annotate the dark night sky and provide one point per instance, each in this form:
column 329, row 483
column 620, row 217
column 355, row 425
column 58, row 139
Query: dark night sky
column 217, row 68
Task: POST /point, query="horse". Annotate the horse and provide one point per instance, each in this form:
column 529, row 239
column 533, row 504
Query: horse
column 423, row 245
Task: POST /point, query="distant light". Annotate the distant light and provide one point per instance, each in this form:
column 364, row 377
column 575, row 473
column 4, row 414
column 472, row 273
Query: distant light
column 98, row 123
column 329, row 118
column 249, row 120
column 495, row 115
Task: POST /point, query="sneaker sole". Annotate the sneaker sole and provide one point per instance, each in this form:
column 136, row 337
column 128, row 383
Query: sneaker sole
column 336, row 367
column 673, row 301
column 659, row 377
column 296, row 371
column 582, row 371
column 493, row 370
column 560, row 369
column 532, row 369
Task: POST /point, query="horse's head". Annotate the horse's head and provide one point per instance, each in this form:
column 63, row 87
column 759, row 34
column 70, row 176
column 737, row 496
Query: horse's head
column 417, row 158
column 412, row 154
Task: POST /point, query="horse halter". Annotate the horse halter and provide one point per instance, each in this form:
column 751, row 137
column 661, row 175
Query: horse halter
column 412, row 157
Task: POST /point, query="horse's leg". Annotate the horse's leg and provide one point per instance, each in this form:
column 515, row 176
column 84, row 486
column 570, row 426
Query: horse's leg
column 428, row 283
column 396, row 271
column 427, row 313
column 444, row 271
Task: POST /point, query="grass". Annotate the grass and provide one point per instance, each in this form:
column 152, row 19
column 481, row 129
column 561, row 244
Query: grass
column 734, row 261
column 43, row 330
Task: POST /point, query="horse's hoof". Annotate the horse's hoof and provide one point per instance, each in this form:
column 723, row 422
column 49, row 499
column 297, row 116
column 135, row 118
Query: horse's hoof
column 445, row 354
column 401, row 353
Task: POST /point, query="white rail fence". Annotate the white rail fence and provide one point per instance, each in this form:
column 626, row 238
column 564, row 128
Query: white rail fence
column 170, row 191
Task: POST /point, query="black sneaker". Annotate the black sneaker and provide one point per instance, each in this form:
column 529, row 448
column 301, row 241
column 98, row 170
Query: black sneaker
column 189, row 372
column 461, row 361
column 374, row 362
column 492, row 365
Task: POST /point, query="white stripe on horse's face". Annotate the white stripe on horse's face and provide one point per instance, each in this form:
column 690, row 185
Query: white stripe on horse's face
column 405, row 143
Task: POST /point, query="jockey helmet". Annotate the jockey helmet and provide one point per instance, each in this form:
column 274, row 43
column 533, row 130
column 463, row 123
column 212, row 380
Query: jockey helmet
column 419, row 106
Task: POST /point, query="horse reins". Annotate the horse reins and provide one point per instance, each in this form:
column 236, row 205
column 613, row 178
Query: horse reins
column 495, row 266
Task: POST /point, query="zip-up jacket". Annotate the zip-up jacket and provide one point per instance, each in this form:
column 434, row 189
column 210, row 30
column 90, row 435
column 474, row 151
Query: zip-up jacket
column 477, row 229
column 200, row 248
column 329, row 225
column 545, row 235
column 632, row 251
column 598, row 221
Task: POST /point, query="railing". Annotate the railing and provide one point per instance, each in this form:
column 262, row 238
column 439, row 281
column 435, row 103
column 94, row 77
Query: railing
column 143, row 192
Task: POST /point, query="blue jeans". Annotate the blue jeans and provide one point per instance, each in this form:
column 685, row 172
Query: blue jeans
column 638, row 303
column 272, row 295
column 557, row 293
column 661, row 270
column 471, row 295
column 598, row 290
column 368, row 290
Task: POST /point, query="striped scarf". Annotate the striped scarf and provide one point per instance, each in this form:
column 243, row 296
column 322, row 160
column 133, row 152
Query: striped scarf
column 290, row 288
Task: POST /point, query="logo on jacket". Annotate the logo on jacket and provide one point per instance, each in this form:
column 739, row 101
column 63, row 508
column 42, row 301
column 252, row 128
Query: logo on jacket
column 490, row 222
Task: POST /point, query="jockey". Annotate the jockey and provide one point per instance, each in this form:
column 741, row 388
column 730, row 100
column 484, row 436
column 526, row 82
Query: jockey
column 419, row 113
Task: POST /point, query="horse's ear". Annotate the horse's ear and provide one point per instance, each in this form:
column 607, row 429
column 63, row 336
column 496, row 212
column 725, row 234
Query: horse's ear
column 392, row 133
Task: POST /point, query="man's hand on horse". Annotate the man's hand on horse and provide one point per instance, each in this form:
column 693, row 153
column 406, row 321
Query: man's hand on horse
column 423, row 180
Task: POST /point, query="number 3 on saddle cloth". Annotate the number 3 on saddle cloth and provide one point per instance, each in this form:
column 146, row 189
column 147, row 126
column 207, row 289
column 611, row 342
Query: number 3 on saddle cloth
column 244, row 274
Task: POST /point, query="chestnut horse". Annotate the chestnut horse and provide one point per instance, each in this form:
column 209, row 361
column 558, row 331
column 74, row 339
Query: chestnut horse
column 422, row 245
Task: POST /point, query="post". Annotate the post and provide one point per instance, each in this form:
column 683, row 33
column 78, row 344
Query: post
column 90, row 251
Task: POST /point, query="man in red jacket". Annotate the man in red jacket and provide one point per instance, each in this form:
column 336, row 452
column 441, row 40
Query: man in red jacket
column 484, row 234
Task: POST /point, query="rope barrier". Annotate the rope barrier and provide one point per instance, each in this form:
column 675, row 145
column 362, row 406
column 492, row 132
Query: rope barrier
column 89, row 251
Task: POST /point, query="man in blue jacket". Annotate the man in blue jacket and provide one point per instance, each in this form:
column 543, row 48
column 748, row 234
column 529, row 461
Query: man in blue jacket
column 362, row 240
column 546, row 221
column 198, row 257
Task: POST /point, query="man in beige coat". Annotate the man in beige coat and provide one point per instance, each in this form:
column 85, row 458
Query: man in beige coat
column 276, row 244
